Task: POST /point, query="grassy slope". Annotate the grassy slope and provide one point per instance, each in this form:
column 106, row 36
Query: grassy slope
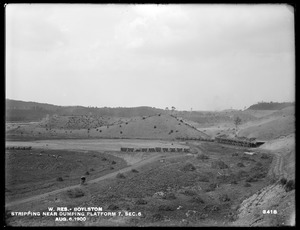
column 277, row 124
column 134, row 128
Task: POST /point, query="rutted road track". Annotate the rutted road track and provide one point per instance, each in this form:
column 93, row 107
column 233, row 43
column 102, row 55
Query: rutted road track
column 277, row 166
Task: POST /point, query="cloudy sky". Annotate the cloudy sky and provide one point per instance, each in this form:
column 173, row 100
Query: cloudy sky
column 205, row 57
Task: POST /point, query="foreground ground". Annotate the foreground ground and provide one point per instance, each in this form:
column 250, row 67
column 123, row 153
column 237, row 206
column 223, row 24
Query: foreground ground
column 206, row 188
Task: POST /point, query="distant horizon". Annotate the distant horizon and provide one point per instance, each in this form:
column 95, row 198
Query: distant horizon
column 169, row 107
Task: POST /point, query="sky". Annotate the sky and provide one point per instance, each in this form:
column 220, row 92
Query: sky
column 190, row 56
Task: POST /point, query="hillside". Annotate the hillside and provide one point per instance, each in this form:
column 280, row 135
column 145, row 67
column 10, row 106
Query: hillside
column 20, row 111
column 152, row 127
column 272, row 126
column 207, row 119
column 270, row 105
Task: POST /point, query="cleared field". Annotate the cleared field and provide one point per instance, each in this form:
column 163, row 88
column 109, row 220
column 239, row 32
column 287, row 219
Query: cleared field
column 96, row 144
column 54, row 164
column 36, row 171
column 176, row 189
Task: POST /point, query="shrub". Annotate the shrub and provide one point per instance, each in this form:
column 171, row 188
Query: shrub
column 140, row 202
column 219, row 164
column 247, row 185
column 189, row 192
column 202, row 157
column 211, row 187
column 112, row 207
column 242, row 174
column 224, row 198
column 157, row 217
column 197, row 199
column 155, row 126
column 235, row 154
column 75, row 193
column 210, row 208
column 111, row 168
column 134, row 171
column 240, row 164
column 164, row 207
column 104, row 159
column 59, row 179
column 264, row 156
column 87, row 173
column 258, row 164
column 113, row 162
column 203, row 178
column 251, row 179
column 188, row 167
column 290, row 185
column 234, row 182
column 121, row 176
column 170, row 196
column 283, row 181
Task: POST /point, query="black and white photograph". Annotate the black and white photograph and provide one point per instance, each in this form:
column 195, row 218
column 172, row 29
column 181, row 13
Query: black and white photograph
column 149, row 115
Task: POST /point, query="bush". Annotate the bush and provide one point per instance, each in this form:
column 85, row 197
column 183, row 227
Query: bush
column 283, row 181
column 202, row 178
column 121, row 176
column 290, row 185
column 157, row 217
column 113, row 207
column 164, row 207
column 211, row 187
column 264, row 156
column 235, row 154
column 251, row 179
column 104, row 159
column 111, row 168
column 59, row 179
column 134, row 171
column 247, row 185
column 92, row 169
column 140, row 202
column 240, row 164
column 211, row 208
column 170, row 196
column 87, row 173
column 189, row 192
column 113, row 162
column 234, row 182
column 202, row 157
column 219, row 164
column 224, row 198
column 242, row 174
column 155, row 126
column 188, row 167
column 258, row 164
column 75, row 193
column 197, row 199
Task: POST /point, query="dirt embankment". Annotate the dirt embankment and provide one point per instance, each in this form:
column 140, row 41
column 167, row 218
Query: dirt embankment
column 273, row 197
